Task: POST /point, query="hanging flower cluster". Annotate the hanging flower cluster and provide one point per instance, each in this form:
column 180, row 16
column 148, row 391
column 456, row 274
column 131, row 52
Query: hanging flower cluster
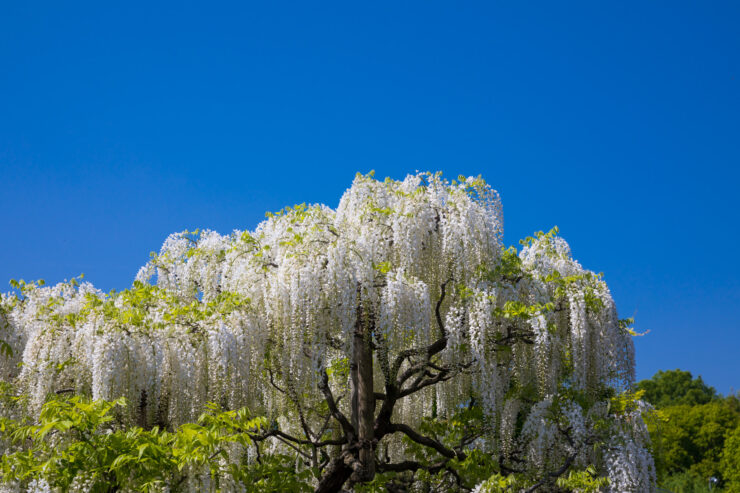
column 256, row 318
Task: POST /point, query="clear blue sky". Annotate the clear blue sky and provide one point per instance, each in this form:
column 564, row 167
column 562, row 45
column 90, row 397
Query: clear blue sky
column 620, row 124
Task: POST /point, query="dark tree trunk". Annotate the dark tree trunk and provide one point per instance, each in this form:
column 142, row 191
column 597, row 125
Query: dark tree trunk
column 356, row 463
column 337, row 473
column 364, row 412
column 363, row 398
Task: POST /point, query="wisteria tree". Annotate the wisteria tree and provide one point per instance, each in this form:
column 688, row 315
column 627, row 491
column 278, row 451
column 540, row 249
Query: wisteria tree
column 391, row 344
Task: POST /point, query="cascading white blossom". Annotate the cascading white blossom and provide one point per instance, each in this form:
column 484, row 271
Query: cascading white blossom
column 252, row 319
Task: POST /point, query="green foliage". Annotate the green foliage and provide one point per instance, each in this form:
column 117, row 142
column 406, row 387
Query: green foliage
column 577, row 481
column 540, row 235
column 80, row 438
column 730, row 463
column 339, row 368
column 626, row 325
column 676, row 387
column 586, row 481
column 509, row 268
column 517, row 309
column 382, row 267
column 687, row 482
column 692, row 438
column 562, row 283
column 454, row 432
column 695, row 437
column 5, row 349
column 276, row 473
column 499, row 483
column 132, row 307
column 625, row 401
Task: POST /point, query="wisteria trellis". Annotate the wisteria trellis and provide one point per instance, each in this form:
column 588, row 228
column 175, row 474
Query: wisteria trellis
column 269, row 319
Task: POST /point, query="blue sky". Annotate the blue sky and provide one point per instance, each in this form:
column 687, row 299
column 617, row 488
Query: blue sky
column 620, row 124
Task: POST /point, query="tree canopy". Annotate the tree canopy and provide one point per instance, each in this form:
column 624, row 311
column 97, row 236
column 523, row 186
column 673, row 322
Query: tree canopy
column 676, row 387
column 692, row 433
column 390, row 343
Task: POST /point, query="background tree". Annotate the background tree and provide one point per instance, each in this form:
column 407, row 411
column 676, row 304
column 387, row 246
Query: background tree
column 693, row 437
column 731, row 461
column 675, row 387
column 391, row 342
column 690, row 438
